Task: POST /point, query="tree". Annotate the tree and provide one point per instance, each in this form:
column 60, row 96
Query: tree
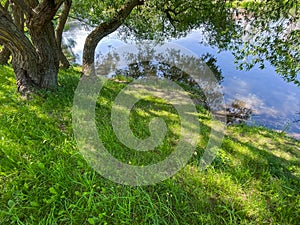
column 153, row 20
column 270, row 31
column 59, row 31
column 4, row 55
column 267, row 29
column 27, row 30
column 35, row 59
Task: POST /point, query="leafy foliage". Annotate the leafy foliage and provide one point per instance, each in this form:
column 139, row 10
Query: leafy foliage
column 255, row 31
column 271, row 31
column 96, row 11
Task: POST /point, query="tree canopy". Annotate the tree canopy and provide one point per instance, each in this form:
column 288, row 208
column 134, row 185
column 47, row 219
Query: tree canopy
column 271, row 33
column 255, row 31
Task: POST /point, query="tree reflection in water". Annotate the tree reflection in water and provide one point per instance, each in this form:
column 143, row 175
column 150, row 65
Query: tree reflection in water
column 202, row 92
column 238, row 112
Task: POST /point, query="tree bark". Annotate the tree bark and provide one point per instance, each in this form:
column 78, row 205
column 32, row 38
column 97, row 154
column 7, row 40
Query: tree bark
column 47, row 50
column 35, row 60
column 23, row 52
column 4, row 55
column 59, row 31
column 38, row 69
column 102, row 31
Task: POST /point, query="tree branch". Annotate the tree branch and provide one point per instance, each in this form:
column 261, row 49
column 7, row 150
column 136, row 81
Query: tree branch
column 12, row 37
column 44, row 13
column 6, row 5
column 18, row 16
column 84, row 22
column 59, row 30
column 103, row 30
column 25, row 7
column 172, row 21
column 62, row 20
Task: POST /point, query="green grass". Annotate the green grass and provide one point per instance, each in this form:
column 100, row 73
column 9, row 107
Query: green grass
column 44, row 179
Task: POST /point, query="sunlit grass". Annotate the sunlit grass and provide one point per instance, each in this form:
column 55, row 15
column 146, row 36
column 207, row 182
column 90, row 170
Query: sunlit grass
column 44, row 179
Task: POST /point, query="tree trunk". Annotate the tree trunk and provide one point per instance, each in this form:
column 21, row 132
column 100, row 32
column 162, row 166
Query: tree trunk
column 45, row 43
column 40, row 68
column 59, row 30
column 35, row 60
column 24, row 54
column 102, row 31
column 4, row 55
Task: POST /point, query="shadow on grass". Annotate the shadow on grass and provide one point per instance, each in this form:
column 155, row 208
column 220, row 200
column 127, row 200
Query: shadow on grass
column 45, row 180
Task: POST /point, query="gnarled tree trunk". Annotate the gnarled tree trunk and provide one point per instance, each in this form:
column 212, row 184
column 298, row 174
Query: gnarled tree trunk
column 4, row 55
column 35, row 60
column 45, row 44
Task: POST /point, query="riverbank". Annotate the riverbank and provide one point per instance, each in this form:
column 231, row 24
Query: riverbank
column 44, row 179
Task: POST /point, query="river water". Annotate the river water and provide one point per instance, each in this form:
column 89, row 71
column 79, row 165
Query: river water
column 274, row 103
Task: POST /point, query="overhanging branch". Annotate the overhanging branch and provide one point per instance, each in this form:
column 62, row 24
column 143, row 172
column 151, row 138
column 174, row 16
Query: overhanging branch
column 105, row 29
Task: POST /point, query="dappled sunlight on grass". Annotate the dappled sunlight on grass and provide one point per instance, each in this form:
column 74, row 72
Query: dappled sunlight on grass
column 44, row 179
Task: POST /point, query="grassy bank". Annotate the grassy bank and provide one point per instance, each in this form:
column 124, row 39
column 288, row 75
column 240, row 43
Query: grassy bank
column 254, row 179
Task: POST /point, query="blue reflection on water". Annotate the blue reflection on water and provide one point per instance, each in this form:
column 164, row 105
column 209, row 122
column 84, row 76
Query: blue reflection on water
column 274, row 102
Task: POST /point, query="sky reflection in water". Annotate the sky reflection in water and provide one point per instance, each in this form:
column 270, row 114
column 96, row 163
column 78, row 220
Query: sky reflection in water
column 274, row 102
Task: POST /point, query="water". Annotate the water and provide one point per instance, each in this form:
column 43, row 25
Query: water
column 274, row 102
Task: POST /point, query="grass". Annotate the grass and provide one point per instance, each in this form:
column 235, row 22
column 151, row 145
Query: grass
column 44, row 179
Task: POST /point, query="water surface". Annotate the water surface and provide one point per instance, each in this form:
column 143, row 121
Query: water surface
column 275, row 103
